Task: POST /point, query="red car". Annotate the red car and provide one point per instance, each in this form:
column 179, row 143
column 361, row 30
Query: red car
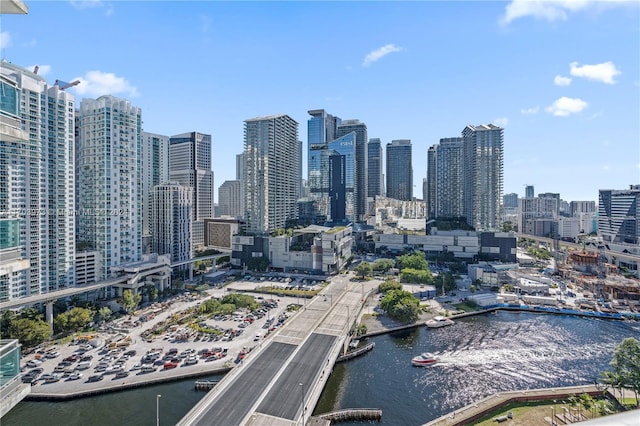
column 169, row 364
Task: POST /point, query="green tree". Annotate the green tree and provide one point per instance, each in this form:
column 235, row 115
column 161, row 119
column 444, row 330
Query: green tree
column 240, row 301
column 401, row 305
column 414, row 261
column 389, row 285
column 73, row 319
column 626, row 365
column 104, row 313
column 5, row 322
column 382, row 266
column 472, row 289
column 30, row 332
column 129, row 301
column 364, row 269
column 416, row 276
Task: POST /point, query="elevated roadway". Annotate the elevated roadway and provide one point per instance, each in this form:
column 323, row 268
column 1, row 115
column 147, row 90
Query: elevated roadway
column 126, row 279
column 280, row 382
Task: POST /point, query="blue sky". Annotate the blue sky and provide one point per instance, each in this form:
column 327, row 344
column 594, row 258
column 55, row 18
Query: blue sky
column 562, row 77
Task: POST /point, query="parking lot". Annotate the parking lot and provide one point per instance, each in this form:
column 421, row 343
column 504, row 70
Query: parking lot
column 126, row 356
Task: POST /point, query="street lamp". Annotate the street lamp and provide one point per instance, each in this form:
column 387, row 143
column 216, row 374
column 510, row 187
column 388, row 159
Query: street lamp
column 158, row 409
column 302, row 400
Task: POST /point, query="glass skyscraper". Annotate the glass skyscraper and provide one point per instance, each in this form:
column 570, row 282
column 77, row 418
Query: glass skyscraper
column 399, row 170
column 374, row 162
column 361, row 170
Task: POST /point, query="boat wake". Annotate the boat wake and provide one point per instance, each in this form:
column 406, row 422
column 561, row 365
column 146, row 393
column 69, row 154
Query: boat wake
column 485, row 356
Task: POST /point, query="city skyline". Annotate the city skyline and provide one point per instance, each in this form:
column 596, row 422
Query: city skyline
column 571, row 129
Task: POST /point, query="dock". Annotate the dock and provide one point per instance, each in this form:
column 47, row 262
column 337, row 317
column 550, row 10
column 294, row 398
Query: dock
column 349, row 414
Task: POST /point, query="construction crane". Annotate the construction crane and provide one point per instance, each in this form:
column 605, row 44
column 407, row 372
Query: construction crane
column 64, row 85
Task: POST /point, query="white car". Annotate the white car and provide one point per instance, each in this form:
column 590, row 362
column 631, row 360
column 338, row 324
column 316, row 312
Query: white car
column 33, row 363
column 136, row 367
column 75, row 376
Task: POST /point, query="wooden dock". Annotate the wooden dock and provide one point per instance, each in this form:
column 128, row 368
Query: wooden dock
column 205, row 385
column 352, row 414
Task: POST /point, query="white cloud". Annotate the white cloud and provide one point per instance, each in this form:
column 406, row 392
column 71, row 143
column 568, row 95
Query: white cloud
column 380, row 53
column 564, row 106
column 5, row 39
column 530, row 111
column 92, row 4
column 98, row 83
column 554, row 10
column 560, row 80
column 502, row 122
column 604, row 72
column 42, row 69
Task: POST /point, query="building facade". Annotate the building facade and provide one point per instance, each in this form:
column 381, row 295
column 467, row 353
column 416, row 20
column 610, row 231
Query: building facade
column 37, row 180
column 172, row 220
column 231, row 199
column 271, row 172
column 361, row 169
column 399, row 170
column 155, row 170
column 483, row 175
column 619, row 215
column 375, row 182
column 449, row 178
column 110, row 180
column 190, row 165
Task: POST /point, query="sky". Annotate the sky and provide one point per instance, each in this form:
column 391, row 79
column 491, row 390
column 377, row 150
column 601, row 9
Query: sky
column 562, row 77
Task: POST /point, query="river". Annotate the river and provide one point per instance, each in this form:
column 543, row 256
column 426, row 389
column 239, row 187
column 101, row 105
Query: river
column 479, row 356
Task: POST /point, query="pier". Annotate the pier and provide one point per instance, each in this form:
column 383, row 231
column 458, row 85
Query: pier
column 350, row 414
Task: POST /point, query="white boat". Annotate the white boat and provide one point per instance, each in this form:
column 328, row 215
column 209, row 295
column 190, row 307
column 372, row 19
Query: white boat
column 438, row 321
column 423, row 359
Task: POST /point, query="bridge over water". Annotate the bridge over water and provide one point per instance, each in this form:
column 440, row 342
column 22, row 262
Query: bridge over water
column 280, row 382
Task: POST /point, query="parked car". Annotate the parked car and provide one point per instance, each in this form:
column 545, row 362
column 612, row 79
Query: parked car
column 121, row 374
column 95, row 378
column 74, row 376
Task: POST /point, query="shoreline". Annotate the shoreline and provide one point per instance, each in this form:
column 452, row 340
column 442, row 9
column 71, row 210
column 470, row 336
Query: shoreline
column 385, row 329
column 112, row 388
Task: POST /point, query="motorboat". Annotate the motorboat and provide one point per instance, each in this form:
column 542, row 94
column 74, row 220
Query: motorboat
column 438, row 321
column 425, row 358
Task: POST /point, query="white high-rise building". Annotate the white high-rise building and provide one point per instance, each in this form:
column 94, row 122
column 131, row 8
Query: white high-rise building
column 231, row 199
column 155, row 170
column 172, row 219
column 272, row 183
column 37, row 221
column 110, row 180
column 190, row 165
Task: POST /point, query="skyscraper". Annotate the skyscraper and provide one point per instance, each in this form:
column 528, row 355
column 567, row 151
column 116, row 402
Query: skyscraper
column 37, row 218
column 155, row 170
column 321, row 129
column 110, row 180
column 445, row 169
column 510, row 201
column 431, row 182
column 190, row 165
column 231, row 199
column 361, row 170
column 374, row 161
column 271, row 175
column 399, row 170
column 240, row 161
column 483, row 162
column 171, row 220
column 340, row 165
